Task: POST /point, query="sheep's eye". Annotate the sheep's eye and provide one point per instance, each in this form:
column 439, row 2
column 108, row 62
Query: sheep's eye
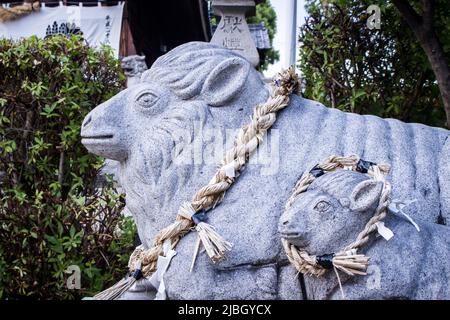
column 146, row 99
column 322, row 206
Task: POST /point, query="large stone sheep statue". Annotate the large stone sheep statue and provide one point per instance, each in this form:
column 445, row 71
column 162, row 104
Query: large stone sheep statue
column 168, row 134
column 413, row 264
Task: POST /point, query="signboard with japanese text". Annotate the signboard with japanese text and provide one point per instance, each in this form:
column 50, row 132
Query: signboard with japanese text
column 98, row 25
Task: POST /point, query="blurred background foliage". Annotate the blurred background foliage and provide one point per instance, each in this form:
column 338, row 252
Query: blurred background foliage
column 265, row 13
column 384, row 71
column 52, row 213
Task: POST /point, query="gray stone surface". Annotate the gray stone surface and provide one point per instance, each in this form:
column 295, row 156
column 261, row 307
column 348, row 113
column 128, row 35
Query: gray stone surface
column 163, row 132
column 329, row 216
column 289, row 284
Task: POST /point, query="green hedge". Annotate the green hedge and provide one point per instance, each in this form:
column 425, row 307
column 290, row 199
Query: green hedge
column 51, row 214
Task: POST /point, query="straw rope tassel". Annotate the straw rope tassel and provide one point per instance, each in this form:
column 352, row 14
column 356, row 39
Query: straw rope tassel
column 351, row 264
column 116, row 290
column 120, row 287
column 214, row 244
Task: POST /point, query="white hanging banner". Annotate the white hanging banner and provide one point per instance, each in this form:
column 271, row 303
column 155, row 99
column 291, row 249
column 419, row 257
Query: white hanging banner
column 98, row 25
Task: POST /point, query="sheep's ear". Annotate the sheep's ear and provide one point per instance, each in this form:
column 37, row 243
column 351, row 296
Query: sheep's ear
column 225, row 81
column 365, row 195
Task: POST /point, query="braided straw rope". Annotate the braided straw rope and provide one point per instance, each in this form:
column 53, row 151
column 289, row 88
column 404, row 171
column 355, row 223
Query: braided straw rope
column 246, row 142
column 346, row 260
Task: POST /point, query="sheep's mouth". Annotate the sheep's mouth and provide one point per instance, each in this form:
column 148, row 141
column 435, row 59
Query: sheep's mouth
column 98, row 137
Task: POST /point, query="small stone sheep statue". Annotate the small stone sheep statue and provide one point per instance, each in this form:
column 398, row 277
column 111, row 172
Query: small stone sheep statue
column 330, row 214
column 133, row 67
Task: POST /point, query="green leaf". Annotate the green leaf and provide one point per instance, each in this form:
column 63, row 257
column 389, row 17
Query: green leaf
column 72, row 231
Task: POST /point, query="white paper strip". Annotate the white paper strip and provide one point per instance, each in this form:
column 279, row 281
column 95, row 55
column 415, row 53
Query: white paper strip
column 162, row 264
column 384, row 231
column 398, row 207
column 228, row 170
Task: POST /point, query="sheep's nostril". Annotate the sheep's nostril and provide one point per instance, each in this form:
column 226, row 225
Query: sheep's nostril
column 285, row 222
column 87, row 121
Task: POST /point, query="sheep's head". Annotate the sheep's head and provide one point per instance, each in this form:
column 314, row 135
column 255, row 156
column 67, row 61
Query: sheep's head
column 180, row 85
column 331, row 213
column 113, row 128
